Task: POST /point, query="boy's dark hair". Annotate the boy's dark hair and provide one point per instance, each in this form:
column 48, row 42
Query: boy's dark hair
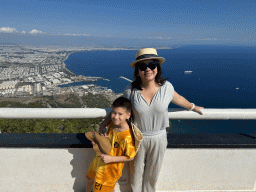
column 137, row 80
column 123, row 102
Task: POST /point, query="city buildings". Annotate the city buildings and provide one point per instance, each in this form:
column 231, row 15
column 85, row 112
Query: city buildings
column 33, row 71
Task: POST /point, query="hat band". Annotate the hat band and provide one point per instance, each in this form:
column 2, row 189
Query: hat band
column 146, row 56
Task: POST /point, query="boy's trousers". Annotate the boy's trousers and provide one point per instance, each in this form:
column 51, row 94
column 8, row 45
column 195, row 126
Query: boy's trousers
column 145, row 168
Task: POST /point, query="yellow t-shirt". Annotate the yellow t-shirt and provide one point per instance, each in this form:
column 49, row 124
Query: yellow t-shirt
column 122, row 145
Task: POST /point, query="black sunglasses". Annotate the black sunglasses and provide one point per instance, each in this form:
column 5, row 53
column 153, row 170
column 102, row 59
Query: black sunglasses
column 143, row 66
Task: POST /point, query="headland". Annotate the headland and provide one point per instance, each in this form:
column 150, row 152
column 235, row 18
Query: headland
column 40, row 72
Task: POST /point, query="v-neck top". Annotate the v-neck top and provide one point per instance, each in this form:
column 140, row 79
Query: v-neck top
column 154, row 117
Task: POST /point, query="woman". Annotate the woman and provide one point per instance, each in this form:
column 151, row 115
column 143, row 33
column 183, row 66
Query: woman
column 151, row 95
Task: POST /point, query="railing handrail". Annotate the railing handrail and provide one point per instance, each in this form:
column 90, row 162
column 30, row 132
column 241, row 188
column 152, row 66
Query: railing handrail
column 80, row 113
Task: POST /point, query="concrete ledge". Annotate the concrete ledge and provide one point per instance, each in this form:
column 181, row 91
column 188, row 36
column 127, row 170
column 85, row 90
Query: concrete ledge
column 58, row 170
column 78, row 140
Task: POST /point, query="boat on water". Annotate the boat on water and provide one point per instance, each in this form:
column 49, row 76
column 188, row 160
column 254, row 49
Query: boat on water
column 188, row 72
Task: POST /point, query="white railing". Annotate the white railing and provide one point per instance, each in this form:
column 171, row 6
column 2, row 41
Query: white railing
column 76, row 113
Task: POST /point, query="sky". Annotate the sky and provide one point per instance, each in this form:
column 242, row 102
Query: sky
column 162, row 20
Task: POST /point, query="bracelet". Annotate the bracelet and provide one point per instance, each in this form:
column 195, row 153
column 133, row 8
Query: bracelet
column 193, row 107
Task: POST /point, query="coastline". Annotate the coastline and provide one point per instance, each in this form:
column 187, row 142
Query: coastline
column 103, row 80
column 64, row 68
column 114, row 84
column 69, row 53
column 64, row 64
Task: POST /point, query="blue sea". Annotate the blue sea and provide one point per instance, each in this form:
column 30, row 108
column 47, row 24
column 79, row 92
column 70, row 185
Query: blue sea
column 222, row 77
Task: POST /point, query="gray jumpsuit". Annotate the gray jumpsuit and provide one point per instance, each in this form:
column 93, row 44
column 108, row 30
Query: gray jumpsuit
column 152, row 120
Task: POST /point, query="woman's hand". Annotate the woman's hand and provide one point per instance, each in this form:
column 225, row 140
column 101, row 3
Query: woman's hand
column 197, row 109
column 103, row 131
column 106, row 158
column 104, row 124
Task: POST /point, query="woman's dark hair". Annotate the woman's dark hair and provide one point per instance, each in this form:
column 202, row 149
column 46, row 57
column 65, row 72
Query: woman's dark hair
column 137, row 80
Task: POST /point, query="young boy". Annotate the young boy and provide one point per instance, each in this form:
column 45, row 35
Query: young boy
column 105, row 170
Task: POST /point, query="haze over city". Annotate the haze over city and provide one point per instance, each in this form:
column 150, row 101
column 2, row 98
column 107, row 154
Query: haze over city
column 127, row 23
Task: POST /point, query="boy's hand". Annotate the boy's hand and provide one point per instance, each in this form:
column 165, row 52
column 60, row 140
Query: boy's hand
column 106, row 158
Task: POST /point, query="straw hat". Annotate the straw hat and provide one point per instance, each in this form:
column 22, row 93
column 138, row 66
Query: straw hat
column 146, row 54
column 102, row 146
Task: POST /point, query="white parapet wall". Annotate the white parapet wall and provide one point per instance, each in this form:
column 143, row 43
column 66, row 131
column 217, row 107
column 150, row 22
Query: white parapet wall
column 64, row 170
